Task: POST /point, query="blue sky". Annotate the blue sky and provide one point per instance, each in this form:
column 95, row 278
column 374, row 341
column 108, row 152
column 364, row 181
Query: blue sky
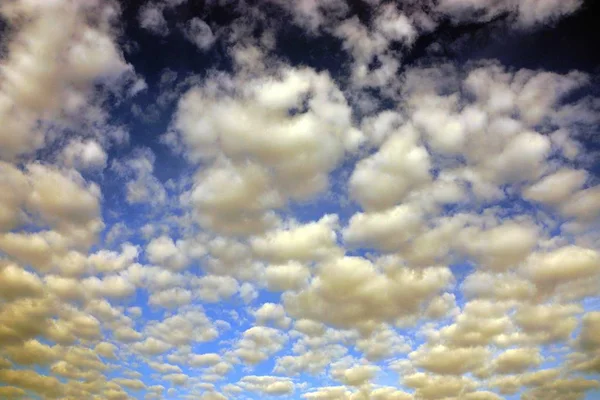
column 320, row 199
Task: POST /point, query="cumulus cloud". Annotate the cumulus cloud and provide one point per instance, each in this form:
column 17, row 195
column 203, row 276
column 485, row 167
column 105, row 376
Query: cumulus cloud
column 294, row 106
column 49, row 73
column 142, row 186
column 199, row 33
column 526, row 13
column 350, row 292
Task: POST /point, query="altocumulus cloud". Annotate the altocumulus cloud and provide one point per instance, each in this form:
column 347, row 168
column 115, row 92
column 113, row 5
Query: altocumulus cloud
column 311, row 199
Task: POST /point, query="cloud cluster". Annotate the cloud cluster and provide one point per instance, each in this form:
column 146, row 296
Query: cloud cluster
column 369, row 230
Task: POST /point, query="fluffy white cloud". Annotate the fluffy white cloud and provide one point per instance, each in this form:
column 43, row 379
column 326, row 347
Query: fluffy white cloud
column 105, row 261
column 272, row 313
column 274, row 154
column 48, row 73
column 268, row 385
column 258, row 344
column 88, row 155
column 350, row 292
column 188, row 326
column 199, row 33
column 165, row 252
column 400, row 165
column 212, row 289
column 449, row 361
column 290, row 276
column 310, row 242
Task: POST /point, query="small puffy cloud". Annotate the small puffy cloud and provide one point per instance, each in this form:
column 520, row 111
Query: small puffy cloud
column 382, row 344
column 108, row 286
column 164, row 368
column 268, row 385
column 213, row 289
column 430, row 387
column 270, row 313
column 170, row 298
column 515, row 361
column 308, row 242
column 501, row 247
column 68, row 289
column 33, row 352
column 248, row 292
column 151, row 18
column 258, row 344
column 383, row 179
column 141, row 185
column 449, row 361
column 503, row 287
column 583, row 204
column 539, row 321
column 189, row 326
column 441, row 306
column 106, row 350
column 66, row 201
column 204, row 360
column 133, row 384
column 88, row 155
column 480, row 323
column 199, row 33
column 105, row 261
column 289, row 276
column 15, row 283
column 549, row 270
column 356, row 375
column 328, row 393
column 165, row 252
column 310, row 328
column 557, row 187
column 386, row 230
column 151, row 346
column 588, row 338
column 176, row 379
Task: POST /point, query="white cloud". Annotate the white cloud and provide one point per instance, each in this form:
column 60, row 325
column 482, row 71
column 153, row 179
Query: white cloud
column 526, row 13
column 272, row 313
column 199, row 33
column 309, row 144
column 48, row 74
column 151, row 18
column 165, row 252
column 268, row 385
column 309, row 242
column 350, row 292
column 142, row 186
column 88, row 155
column 290, row 276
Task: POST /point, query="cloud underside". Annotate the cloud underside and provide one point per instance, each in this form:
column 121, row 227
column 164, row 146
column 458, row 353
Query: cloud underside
column 403, row 232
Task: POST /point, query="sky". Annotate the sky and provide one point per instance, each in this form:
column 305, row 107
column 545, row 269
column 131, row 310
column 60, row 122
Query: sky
column 309, row 199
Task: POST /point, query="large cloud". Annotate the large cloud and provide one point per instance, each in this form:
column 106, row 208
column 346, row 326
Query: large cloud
column 290, row 130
